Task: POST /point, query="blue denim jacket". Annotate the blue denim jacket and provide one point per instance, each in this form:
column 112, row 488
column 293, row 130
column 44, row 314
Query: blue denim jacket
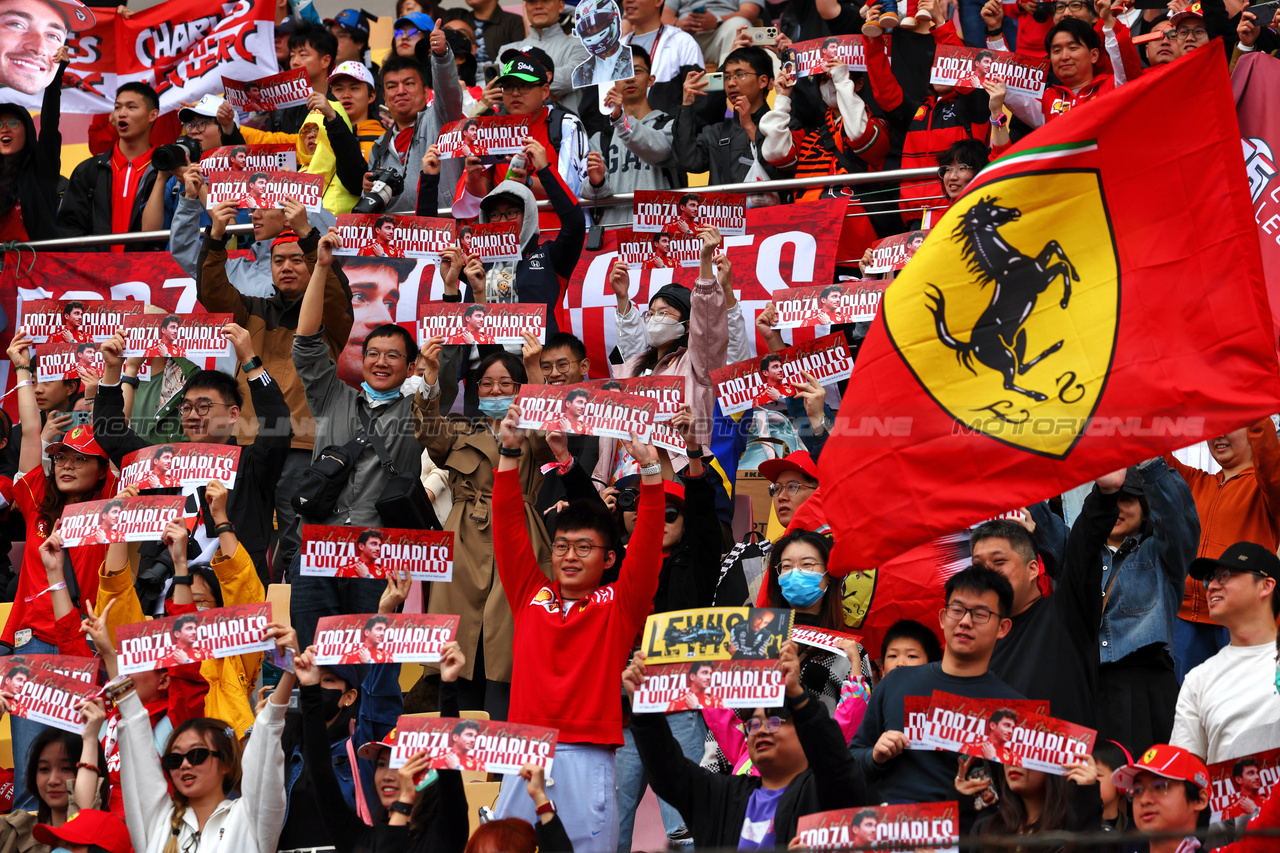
column 1144, row 601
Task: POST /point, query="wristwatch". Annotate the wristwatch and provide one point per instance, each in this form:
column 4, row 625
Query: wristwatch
column 995, row 33
column 549, row 807
column 1000, row 120
column 398, row 807
column 183, row 580
column 251, row 364
column 513, row 452
column 131, row 381
column 224, row 527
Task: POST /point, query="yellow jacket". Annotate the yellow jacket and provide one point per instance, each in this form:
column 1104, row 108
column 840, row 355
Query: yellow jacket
column 230, row 679
column 335, row 197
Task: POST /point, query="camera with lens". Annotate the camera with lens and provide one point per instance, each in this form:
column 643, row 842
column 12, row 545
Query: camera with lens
column 176, row 154
column 387, row 183
column 627, row 500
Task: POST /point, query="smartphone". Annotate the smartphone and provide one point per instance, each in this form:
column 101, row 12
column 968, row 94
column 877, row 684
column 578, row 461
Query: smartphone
column 78, row 419
column 715, row 81
column 426, row 780
column 763, row 35
column 490, row 72
column 283, row 662
column 1264, row 13
column 980, row 770
column 699, row 10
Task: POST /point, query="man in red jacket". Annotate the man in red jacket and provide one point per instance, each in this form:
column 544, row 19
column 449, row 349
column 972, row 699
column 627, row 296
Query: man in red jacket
column 571, row 633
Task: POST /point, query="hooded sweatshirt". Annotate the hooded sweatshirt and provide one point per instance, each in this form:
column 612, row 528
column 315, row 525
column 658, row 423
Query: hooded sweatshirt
column 543, row 270
column 324, row 163
column 40, row 164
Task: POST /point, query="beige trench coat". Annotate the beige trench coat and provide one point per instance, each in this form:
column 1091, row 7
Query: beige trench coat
column 468, row 452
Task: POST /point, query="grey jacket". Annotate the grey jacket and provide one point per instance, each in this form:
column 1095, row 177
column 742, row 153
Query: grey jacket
column 565, row 51
column 445, row 107
column 335, row 406
column 637, row 156
column 250, row 276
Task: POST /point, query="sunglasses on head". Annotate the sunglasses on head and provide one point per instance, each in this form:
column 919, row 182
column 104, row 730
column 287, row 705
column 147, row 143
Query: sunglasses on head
column 195, row 757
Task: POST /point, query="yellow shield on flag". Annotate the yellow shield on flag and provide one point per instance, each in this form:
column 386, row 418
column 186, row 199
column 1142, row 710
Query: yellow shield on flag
column 1007, row 314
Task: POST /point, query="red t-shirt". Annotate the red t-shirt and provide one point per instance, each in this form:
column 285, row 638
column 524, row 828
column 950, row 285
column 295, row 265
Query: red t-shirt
column 11, row 225
column 86, row 560
column 125, row 177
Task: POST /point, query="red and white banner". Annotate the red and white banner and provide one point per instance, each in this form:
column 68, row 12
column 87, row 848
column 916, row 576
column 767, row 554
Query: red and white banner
column 74, row 320
column 287, row 89
column 148, row 277
column 490, row 241
column 1005, row 731
column 892, row 253
column 585, row 410
column 376, row 552
column 781, row 250
column 480, row 323
column 180, row 47
column 383, row 638
column 483, row 745
column 673, row 687
column 265, row 190
column 382, row 235
column 1238, row 786
column 772, row 378
column 52, row 700
column 829, row 304
column 58, row 360
column 272, row 157
column 15, row 670
column 822, row 638
column 667, row 392
column 124, row 519
column 174, row 336
column 967, row 67
column 811, row 56
column 483, row 137
column 905, row 828
column 684, row 214
column 208, row 634
column 637, row 251
column 183, row 465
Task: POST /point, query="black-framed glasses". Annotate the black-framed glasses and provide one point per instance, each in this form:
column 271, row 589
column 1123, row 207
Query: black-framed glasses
column 755, row 724
column 582, row 547
column 1198, row 32
column 791, row 489
column 196, row 125
column 1222, row 575
column 980, row 615
column 202, row 408
column 194, row 757
column 1074, row 6
column 73, row 461
column 1159, row 787
column 561, row 366
column 510, row 214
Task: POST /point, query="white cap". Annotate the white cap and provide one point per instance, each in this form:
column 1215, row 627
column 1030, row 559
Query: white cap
column 357, row 70
column 206, row 106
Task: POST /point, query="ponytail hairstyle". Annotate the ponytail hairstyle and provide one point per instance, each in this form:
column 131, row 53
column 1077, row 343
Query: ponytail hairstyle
column 220, row 738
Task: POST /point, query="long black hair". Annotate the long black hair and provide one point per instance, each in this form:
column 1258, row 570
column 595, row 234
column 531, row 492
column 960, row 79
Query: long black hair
column 73, row 744
column 1010, row 817
column 19, row 163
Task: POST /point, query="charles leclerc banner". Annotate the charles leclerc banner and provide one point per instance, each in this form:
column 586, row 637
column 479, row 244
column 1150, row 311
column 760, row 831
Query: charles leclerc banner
column 182, row 48
column 780, row 250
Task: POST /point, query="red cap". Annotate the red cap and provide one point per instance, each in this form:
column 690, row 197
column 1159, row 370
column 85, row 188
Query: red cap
column 1192, row 11
column 800, row 462
column 88, row 826
column 285, row 237
column 78, row 439
column 1171, row 762
column 674, row 491
column 371, row 749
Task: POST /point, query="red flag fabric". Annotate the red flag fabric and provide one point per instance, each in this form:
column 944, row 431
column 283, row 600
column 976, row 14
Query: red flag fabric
column 1255, row 81
column 1077, row 310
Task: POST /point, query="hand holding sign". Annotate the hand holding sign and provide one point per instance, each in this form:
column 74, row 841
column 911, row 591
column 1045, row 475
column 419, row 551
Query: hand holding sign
column 633, row 676
column 398, row 586
column 512, row 436
column 452, row 661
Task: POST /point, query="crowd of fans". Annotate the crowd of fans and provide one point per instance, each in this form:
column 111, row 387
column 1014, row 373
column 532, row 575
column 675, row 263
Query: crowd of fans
column 1143, row 606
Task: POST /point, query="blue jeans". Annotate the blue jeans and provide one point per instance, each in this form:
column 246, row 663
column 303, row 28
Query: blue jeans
column 690, row 731
column 583, row 794
column 25, row 733
column 974, row 28
column 1194, row 643
column 311, row 598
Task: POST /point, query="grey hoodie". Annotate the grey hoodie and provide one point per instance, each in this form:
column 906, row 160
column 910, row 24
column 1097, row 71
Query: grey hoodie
column 639, row 157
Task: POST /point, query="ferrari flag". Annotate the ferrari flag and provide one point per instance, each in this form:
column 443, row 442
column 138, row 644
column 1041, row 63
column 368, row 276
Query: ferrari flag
column 1053, row 328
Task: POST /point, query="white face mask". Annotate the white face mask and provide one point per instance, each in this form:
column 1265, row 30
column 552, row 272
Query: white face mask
column 659, row 331
column 412, row 385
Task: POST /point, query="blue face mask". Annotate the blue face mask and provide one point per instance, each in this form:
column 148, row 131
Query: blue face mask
column 382, row 396
column 496, row 407
column 801, row 589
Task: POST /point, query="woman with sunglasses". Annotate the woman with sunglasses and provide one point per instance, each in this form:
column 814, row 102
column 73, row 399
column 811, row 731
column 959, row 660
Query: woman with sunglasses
column 179, row 802
column 78, row 471
column 31, row 165
column 467, row 450
column 1032, row 801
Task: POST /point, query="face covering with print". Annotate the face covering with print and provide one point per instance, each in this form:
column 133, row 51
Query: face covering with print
column 496, row 407
column 659, row 331
column 801, row 589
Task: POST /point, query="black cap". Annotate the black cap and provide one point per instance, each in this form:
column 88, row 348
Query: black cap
column 521, row 67
column 542, row 56
column 1240, row 557
column 677, row 296
column 1133, row 484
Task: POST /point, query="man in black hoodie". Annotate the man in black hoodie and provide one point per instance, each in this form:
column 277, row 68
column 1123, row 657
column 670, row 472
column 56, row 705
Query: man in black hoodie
column 799, row 750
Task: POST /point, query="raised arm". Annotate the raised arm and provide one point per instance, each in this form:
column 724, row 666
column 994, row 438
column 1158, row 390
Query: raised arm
column 213, row 288
column 311, row 314
column 1174, row 521
column 20, row 349
column 446, row 105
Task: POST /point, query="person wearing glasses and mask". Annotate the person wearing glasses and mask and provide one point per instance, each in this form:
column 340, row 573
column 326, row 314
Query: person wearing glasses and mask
column 210, row 407
column 799, row 750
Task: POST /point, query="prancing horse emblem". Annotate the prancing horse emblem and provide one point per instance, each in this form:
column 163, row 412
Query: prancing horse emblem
column 998, row 340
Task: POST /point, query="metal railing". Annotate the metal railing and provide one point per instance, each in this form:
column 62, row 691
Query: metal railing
column 785, row 185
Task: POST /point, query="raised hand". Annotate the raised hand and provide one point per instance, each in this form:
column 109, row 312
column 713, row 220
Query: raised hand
column 398, row 586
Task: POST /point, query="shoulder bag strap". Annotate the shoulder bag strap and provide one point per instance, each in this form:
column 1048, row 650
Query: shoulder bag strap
column 384, row 456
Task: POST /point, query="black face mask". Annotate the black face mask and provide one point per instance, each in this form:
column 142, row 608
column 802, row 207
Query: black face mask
column 331, row 698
